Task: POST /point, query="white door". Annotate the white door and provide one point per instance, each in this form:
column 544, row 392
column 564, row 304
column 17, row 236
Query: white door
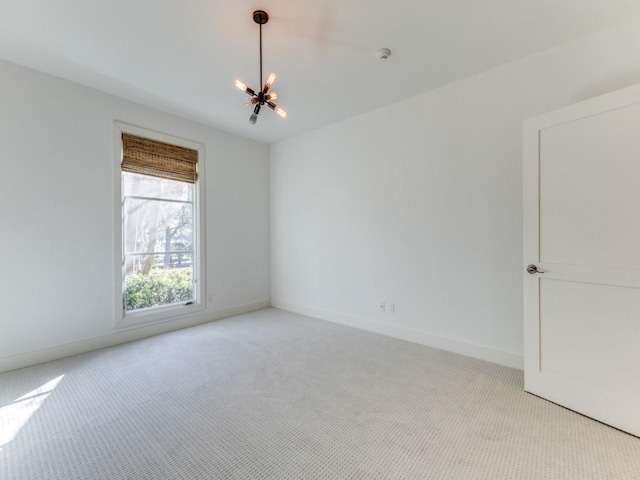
column 582, row 229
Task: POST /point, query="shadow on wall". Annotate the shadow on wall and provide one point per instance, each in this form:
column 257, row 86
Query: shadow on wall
column 611, row 84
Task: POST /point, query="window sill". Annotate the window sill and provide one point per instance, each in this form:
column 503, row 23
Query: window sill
column 158, row 314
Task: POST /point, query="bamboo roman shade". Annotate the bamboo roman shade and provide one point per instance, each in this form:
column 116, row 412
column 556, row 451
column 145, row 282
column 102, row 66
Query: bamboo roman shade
column 158, row 159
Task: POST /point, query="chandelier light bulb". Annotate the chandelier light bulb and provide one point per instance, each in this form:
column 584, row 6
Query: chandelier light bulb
column 272, row 96
column 270, row 80
column 281, row 112
column 253, row 119
column 240, row 85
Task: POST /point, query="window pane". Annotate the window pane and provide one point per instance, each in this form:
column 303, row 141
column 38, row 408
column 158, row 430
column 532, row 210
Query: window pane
column 155, row 280
column 145, row 186
column 157, row 226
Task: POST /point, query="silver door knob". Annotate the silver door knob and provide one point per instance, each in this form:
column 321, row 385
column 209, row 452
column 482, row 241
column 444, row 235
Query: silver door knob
column 532, row 269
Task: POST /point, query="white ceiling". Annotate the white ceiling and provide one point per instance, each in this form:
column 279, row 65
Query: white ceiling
column 182, row 56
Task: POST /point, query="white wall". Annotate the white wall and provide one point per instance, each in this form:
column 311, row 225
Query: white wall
column 420, row 202
column 56, row 216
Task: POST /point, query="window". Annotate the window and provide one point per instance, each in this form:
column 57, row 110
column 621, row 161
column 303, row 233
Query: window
column 160, row 225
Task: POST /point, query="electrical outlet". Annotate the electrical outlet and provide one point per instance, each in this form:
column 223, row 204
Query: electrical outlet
column 382, row 307
column 392, row 307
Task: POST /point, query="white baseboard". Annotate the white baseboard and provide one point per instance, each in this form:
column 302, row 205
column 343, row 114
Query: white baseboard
column 122, row 336
column 493, row 355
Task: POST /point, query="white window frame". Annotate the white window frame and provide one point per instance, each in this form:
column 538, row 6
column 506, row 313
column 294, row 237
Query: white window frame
column 158, row 314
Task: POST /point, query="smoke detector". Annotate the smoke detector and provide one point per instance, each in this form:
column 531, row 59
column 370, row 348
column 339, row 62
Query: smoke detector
column 383, row 53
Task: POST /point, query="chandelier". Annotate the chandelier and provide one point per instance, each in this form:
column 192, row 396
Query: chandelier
column 263, row 97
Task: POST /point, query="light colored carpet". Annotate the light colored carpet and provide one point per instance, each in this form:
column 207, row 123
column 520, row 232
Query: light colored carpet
column 274, row 395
